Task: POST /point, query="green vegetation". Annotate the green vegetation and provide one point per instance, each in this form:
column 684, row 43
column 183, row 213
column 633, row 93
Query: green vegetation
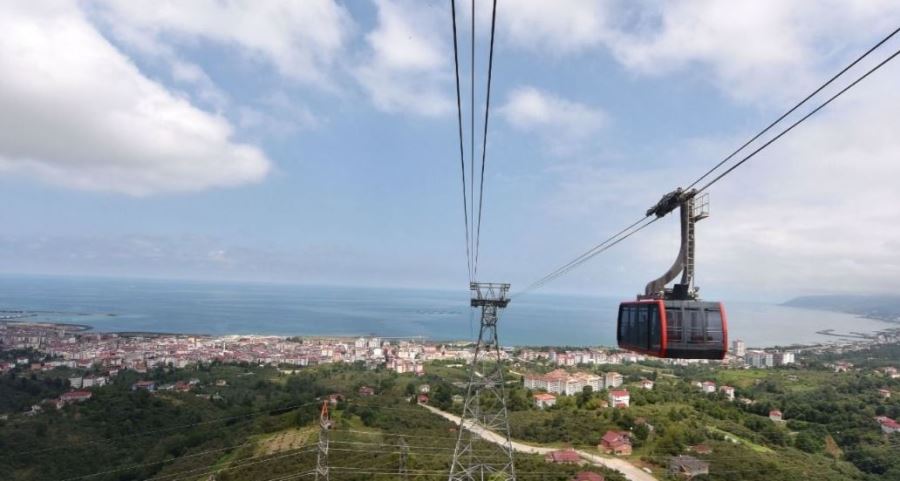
column 830, row 431
column 243, row 422
column 240, row 423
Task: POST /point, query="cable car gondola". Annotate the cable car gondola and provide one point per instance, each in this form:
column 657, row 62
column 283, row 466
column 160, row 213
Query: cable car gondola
column 673, row 322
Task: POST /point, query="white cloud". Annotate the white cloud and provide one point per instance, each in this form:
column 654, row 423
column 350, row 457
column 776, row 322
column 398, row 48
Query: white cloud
column 406, row 69
column 814, row 212
column 755, row 50
column 303, row 40
column 557, row 26
column 533, row 110
column 76, row 112
column 818, row 210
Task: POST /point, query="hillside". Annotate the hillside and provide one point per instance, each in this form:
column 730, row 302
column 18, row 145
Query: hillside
column 882, row 307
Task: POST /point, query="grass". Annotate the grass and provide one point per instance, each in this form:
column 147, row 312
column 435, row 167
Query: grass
column 756, row 447
column 286, row 440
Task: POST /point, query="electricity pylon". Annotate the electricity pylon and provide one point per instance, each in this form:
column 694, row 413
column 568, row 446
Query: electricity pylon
column 402, row 474
column 485, row 405
column 322, row 457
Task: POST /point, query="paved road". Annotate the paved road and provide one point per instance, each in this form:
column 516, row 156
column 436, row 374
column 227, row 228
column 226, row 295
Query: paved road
column 632, row 472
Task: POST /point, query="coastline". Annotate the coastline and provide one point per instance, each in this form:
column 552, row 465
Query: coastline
column 852, row 337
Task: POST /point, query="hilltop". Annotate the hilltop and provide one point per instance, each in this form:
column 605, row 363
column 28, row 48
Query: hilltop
column 881, row 307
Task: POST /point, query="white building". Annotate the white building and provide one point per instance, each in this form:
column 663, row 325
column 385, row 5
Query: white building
column 739, row 349
column 783, row 358
column 728, row 391
column 612, row 379
column 619, row 398
column 760, row 359
column 562, row 382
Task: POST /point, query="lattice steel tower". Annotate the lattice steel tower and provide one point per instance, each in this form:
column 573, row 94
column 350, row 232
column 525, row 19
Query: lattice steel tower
column 402, row 473
column 322, row 457
column 485, row 405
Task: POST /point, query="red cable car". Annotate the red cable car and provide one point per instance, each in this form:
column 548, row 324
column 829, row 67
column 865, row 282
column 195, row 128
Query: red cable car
column 674, row 323
column 688, row 329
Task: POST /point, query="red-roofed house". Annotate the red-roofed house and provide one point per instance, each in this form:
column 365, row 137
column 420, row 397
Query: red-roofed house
column 615, row 442
column 776, row 415
column 708, row 387
column 72, row 397
column 563, row 456
column 544, row 400
column 646, row 384
column 885, row 393
column 588, row 476
column 145, row 385
column 619, row 398
column 888, row 425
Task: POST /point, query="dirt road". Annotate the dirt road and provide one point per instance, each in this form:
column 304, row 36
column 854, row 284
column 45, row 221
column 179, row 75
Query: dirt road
column 632, row 472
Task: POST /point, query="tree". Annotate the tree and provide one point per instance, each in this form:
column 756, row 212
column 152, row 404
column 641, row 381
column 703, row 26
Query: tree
column 807, row 441
column 443, row 397
column 585, row 396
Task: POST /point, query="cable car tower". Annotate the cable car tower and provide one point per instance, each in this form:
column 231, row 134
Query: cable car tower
column 485, row 404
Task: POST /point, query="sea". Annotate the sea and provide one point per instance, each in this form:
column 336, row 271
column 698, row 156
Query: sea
column 220, row 308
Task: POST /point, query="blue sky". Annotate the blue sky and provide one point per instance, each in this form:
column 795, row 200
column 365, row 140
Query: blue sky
column 316, row 142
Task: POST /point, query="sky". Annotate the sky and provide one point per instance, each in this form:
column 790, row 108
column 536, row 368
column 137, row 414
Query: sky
column 316, row 142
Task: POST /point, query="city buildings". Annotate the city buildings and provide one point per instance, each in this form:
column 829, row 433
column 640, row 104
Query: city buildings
column 739, row 348
column 760, row 359
column 612, row 379
column 561, row 381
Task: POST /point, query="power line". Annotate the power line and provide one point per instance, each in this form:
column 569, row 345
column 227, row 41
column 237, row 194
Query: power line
column 162, row 430
column 487, row 109
column 462, row 155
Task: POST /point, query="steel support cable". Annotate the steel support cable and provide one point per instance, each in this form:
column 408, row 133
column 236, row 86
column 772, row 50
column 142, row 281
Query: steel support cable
column 487, row 110
column 554, row 274
column 580, row 259
column 795, row 107
column 599, row 251
column 462, row 155
column 798, row 122
column 472, row 139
